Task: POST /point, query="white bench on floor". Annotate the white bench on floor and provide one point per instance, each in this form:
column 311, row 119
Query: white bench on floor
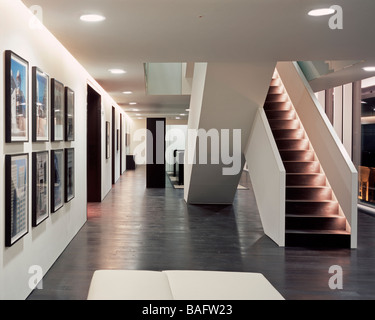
column 180, row 285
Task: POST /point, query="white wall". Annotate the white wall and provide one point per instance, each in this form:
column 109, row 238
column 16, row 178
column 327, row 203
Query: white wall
column 137, row 129
column 43, row 244
column 175, row 137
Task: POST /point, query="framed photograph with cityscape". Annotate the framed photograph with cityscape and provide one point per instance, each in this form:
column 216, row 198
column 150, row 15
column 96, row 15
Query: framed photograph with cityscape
column 40, row 105
column 69, row 114
column 69, row 174
column 40, row 187
column 16, row 98
column 16, row 197
column 57, row 179
column 57, row 110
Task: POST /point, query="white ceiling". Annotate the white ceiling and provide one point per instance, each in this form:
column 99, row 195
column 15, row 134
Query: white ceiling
column 139, row 31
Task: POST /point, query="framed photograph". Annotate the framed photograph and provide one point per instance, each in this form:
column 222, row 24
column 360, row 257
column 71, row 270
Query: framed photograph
column 69, row 114
column 108, row 139
column 16, row 197
column 16, row 98
column 57, row 110
column 127, row 139
column 57, row 179
column 69, row 174
column 40, row 105
column 40, row 187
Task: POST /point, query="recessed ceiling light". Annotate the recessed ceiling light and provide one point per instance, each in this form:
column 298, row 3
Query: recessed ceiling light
column 138, row 114
column 132, row 103
column 178, row 118
column 369, row 69
column 321, row 12
column 135, row 109
column 363, row 102
column 127, row 92
column 182, row 114
column 92, row 18
column 140, row 118
column 117, row 71
column 187, row 110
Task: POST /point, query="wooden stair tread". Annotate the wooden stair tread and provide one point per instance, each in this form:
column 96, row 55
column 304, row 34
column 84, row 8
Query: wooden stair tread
column 313, row 201
column 309, row 187
column 312, row 216
column 333, row 232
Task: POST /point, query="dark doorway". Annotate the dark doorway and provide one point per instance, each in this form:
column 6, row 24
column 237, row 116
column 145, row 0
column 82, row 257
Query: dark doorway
column 155, row 144
column 121, row 142
column 94, row 143
column 113, row 145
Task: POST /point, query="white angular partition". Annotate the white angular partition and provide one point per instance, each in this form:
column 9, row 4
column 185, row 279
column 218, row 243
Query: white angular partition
column 267, row 174
column 225, row 99
column 335, row 161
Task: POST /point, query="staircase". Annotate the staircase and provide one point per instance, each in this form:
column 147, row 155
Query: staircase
column 311, row 211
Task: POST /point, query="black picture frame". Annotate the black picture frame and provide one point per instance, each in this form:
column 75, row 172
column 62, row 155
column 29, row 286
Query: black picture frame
column 16, row 197
column 69, row 114
column 16, row 98
column 57, row 110
column 108, row 139
column 40, row 105
column 69, row 174
column 40, row 187
column 57, row 179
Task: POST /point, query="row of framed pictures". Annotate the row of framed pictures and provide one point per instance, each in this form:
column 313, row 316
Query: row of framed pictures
column 61, row 186
column 61, row 99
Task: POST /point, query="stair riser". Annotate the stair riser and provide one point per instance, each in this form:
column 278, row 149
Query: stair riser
column 275, row 90
column 296, row 193
column 281, row 115
column 297, row 155
column 301, row 144
column 284, row 124
column 302, row 167
column 276, row 97
column 277, row 105
column 317, row 240
column 275, row 82
column 315, row 223
column 312, row 208
column 288, row 134
column 306, row 180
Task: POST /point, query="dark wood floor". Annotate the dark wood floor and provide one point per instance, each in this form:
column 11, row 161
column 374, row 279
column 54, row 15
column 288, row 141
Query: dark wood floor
column 154, row 229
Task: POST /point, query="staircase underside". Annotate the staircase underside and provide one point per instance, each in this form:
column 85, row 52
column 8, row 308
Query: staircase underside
column 312, row 214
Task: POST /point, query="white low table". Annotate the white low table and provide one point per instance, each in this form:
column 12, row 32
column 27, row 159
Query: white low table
column 180, row 285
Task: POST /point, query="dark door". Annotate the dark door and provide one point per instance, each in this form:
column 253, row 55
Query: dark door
column 155, row 144
column 113, row 145
column 94, row 152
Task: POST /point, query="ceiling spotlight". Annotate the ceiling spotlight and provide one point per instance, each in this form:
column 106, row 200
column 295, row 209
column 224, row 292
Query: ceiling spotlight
column 182, row 114
column 369, row 69
column 132, row 103
column 92, row 18
column 321, row 12
column 138, row 114
column 127, row 92
column 187, row 110
column 178, row 118
column 135, row 109
column 117, row 71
